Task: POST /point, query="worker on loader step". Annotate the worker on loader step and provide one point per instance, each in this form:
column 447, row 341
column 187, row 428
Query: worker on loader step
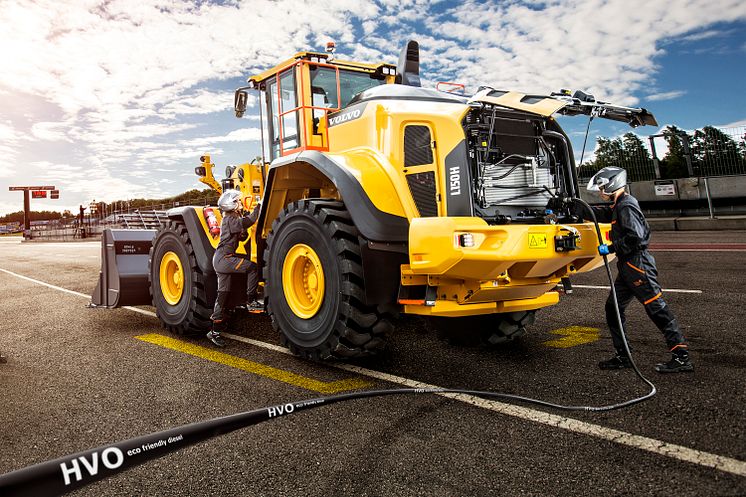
column 226, row 261
column 638, row 275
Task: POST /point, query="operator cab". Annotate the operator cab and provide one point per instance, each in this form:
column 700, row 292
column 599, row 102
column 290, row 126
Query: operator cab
column 298, row 95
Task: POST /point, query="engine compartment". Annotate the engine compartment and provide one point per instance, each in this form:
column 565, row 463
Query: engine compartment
column 520, row 169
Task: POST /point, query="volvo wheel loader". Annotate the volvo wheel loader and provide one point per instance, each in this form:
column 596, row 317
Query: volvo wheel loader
column 380, row 197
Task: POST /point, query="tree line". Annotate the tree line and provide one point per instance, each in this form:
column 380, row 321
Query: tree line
column 710, row 151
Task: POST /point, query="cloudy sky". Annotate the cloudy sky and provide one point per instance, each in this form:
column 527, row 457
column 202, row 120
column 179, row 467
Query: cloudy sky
column 118, row 99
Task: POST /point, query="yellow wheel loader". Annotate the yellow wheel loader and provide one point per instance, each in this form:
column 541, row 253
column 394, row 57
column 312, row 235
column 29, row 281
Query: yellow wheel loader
column 380, row 197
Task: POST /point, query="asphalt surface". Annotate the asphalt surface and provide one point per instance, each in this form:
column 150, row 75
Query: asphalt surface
column 77, row 378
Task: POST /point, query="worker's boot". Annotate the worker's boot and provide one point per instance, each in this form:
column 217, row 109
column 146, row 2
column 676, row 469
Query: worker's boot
column 254, row 304
column 619, row 361
column 679, row 363
column 218, row 318
column 214, row 337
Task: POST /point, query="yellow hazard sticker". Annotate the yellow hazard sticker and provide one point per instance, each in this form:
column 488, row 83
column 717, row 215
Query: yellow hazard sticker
column 537, row 240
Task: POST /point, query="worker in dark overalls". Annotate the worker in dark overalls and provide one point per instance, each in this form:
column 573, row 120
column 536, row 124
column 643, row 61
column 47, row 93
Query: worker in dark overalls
column 226, row 261
column 638, row 275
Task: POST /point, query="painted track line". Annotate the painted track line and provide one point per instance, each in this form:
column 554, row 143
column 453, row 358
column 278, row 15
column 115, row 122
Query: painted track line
column 296, row 380
column 674, row 451
column 698, row 247
column 667, row 290
column 72, row 292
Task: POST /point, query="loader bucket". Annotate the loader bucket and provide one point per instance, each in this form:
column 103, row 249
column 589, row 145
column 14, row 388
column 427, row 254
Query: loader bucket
column 123, row 279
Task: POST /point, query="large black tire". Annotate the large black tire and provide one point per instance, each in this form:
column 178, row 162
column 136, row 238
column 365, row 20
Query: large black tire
column 191, row 314
column 343, row 326
column 487, row 329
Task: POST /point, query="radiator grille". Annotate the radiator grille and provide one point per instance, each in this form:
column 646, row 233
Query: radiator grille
column 422, row 187
column 521, row 186
column 417, row 148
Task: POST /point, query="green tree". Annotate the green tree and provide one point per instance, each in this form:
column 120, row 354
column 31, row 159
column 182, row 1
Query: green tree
column 637, row 159
column 627, row 151
column 17, row 217
column 673, row 164
column 716, row 153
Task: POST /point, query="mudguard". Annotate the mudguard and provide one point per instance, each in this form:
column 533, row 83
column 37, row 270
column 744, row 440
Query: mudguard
column 384, row 249
column 203, row 250
column 372, row 223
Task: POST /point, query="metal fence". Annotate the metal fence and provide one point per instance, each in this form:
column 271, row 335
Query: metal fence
column 115, row 215
column 719, row 151
column 709, row 151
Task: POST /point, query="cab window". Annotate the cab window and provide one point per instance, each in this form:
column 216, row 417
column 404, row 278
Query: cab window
column 324, row 85
column 281, row 103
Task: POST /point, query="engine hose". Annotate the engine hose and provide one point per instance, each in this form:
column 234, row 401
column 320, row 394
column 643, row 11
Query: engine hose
column 74, row 471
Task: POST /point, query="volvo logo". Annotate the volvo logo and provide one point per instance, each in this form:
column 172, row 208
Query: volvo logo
column 345, row 117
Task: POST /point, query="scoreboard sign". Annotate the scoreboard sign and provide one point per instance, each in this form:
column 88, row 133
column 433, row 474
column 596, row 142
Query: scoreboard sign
column 39, row 194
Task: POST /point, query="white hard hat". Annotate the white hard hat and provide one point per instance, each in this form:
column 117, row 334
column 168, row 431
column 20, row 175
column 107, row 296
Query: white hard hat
column 230, row 201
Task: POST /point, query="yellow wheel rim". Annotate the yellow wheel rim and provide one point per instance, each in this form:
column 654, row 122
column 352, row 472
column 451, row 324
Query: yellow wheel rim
column 303, row 281
column 172, row 278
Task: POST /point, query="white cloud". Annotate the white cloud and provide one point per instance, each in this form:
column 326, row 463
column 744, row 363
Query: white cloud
column 239, row 135
column 666, row 95
column 51, row 131
column 735, row 124
column 702, row 35
column 200, row 102
column 130, row 88
column 539, row 49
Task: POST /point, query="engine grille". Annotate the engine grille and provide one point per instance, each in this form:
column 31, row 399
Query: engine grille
column 422, row 187
column 417, row 148
column 519, row 182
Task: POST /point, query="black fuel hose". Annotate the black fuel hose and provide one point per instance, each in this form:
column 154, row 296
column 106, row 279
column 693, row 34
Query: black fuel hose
column 74, row 471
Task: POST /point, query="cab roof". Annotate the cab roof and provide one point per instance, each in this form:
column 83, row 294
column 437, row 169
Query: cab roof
column 321, row 57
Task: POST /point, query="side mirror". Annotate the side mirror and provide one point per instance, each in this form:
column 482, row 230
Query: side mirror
column 239, row 102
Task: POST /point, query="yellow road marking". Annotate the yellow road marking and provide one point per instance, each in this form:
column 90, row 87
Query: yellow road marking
column 255, row 367
column 573, row 336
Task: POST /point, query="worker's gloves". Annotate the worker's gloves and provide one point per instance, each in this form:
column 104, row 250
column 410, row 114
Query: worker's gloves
column 604, row 249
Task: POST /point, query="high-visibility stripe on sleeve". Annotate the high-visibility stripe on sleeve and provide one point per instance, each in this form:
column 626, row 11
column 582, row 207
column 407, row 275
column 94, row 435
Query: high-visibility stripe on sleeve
column 654, row 298
column 682, row 345
column 239, row 263
column 635, row 268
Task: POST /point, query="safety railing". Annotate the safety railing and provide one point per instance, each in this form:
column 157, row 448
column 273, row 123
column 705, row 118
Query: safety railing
column 300, row 109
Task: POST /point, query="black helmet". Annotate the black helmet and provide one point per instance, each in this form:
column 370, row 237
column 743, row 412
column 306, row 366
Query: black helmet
column 608, row 180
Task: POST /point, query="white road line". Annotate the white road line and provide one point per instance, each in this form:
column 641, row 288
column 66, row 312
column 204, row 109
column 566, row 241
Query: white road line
column 72, row 292
column 44, row 283
column 635, row 441
column 671, row 290
column 652, row 445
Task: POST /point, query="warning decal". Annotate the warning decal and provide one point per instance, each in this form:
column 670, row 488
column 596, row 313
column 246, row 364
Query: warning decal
column 537, row 240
